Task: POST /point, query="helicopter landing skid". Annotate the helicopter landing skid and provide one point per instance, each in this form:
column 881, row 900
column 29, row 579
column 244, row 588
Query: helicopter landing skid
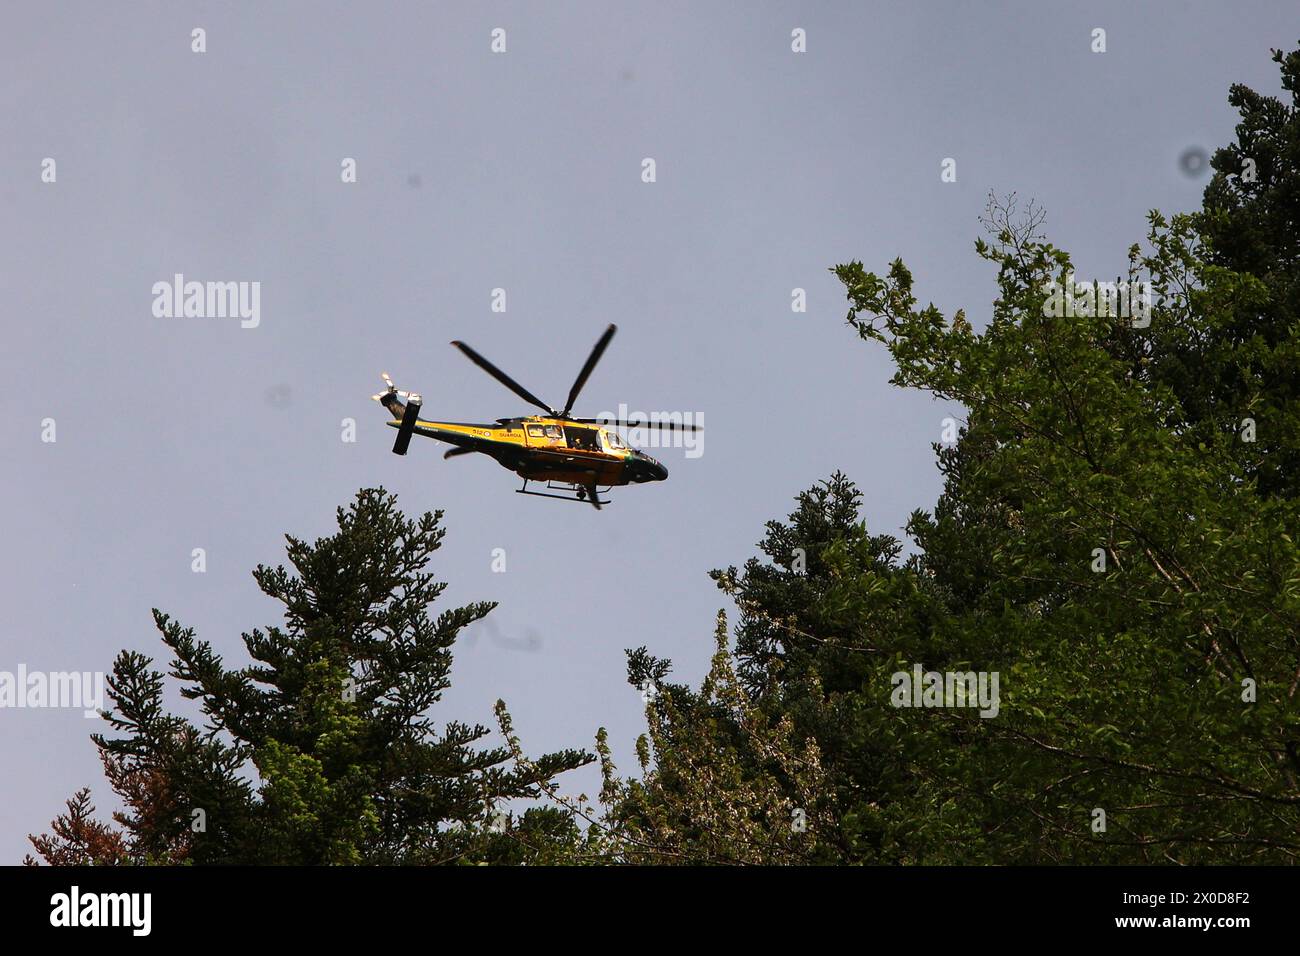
column 576, row 493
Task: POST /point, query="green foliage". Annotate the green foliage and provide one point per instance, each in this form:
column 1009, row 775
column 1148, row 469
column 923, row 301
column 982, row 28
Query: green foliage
column 322, row 751
column 722, row 782
column 1122, row 686
column 1246, row 356
column 1108, row 540
column 1090, row 440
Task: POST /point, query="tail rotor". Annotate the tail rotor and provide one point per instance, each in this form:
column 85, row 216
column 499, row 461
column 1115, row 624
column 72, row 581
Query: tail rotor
column 409, row 412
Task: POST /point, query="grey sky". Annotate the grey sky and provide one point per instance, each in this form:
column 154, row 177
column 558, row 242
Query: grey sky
column 518, row 170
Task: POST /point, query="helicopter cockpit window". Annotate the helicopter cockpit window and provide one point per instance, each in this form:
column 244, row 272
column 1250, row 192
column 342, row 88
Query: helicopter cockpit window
column 535, row 431
column 553, row 431
column 612, row 439
column 582, row 438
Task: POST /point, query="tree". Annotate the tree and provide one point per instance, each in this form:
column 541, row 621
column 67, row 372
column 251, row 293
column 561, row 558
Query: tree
column 322, row 751
column 1106, row 543
column 721, row 783
column 1137, row 591
column 1246, row 357
column 78, row 839
column 774, row 759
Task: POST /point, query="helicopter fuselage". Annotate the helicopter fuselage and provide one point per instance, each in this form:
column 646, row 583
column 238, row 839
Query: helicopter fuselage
column 540, row 448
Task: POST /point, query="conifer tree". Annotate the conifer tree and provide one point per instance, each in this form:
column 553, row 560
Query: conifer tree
column 323, row 750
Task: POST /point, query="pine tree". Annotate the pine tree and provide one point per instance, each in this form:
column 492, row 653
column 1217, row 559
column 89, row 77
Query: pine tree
column 78, row 839
column 323, row 750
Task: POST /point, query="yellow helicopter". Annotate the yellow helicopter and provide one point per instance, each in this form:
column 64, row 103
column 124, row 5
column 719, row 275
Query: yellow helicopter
column 576, row 456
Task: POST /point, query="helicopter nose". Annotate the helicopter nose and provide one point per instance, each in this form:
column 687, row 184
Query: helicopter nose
column 647, row 469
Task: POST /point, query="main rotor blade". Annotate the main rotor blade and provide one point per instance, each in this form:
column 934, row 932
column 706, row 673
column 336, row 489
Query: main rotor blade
column 503, row 378
column 601, row 344
column 621, row 423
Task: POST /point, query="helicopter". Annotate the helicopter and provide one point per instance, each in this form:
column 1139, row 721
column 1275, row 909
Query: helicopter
column 574, row 456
